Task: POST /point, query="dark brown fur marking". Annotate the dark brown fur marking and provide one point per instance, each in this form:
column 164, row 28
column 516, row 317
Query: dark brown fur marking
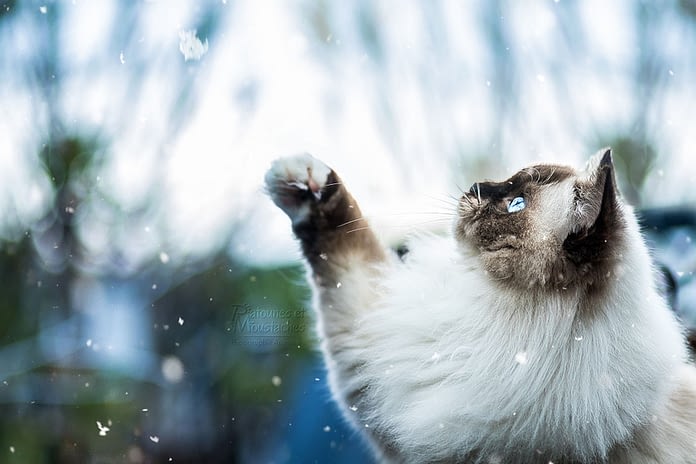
column 594, row 249
column 508, row 242
column 335, row 229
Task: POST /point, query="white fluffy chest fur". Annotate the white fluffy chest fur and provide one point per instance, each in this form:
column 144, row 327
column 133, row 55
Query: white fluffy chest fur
column 455, row 362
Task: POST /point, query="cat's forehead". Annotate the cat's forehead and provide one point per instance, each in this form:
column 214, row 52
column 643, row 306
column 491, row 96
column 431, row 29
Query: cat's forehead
column 542, row 174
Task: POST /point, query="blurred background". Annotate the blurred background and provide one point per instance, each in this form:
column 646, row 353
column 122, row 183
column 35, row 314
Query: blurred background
column 152, row 301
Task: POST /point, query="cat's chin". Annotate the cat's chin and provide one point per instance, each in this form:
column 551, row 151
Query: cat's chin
column 465, row 225
column 464, row 231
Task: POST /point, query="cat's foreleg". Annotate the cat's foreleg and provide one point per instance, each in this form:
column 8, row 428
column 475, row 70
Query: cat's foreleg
column 335, row 238
column 344, row 256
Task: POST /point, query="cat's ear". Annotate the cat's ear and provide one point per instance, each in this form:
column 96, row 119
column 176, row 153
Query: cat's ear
column 596, row 216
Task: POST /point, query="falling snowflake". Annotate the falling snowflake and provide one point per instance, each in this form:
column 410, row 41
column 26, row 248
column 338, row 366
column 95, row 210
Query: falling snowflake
column 154, row 438
column 103, row 429
column 276, row 381
column 521, row 358
column 191, row 46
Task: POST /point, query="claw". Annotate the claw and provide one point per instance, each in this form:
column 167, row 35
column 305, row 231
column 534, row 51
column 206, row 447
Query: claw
column 299, row 185
column 313, row 186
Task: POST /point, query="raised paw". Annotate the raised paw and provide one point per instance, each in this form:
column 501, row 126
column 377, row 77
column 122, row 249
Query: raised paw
column 297, row 182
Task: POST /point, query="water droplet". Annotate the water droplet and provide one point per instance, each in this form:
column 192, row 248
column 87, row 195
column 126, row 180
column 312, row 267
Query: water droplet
column 276, row 381
column 172, row 369
column 327, row 428
column 338, row 285
column 578, row 338
column 354, row 408
column 43, row 9
column 164, row 257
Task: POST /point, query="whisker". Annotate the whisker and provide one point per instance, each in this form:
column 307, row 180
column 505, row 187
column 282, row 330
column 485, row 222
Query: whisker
column 357, row 229
column 553, row 171
column 449, row 201
column 410, row 226
column 352, row 221
column 440, row 216
column 444, row 214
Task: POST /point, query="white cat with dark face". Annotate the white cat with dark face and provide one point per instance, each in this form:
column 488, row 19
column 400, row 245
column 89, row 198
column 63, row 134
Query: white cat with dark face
column 534, row 334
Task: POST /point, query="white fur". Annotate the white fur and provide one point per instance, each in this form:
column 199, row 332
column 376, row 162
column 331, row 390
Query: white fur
column 455, row 362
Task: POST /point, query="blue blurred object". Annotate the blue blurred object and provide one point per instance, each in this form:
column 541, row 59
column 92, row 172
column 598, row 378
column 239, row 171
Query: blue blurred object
column 671, row 233
column 315, row 431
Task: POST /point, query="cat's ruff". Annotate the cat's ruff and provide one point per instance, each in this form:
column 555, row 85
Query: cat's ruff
column 529, row 338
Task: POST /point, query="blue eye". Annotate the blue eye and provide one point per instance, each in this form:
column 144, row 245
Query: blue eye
column 516, row 204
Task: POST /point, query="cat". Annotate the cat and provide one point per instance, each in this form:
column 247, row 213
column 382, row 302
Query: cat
column 533, row 333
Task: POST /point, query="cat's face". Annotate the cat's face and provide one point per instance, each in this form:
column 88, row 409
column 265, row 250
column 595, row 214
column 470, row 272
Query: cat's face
column 546, row 226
